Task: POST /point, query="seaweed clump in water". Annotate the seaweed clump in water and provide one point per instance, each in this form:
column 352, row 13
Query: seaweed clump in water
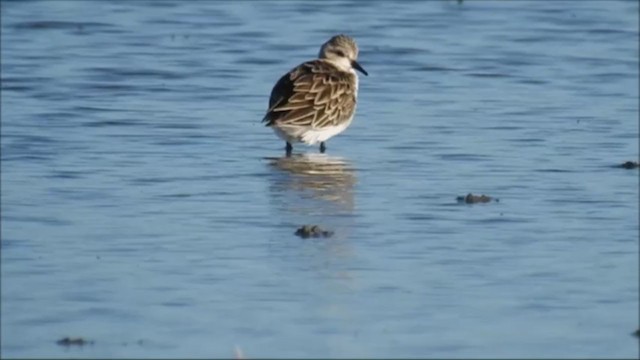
column 473, row 199
column 69, row 341
column 630, row 165
column 307, row 231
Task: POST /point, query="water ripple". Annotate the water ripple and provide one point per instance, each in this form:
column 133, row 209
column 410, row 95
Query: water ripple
column 140, row 190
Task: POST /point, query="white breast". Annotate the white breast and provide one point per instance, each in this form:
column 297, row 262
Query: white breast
column 314, row 136
column 309, row 135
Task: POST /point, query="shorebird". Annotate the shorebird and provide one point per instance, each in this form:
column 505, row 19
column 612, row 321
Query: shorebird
column 316, row 100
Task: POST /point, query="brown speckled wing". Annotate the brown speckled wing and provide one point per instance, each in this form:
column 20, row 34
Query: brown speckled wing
column 313, row 94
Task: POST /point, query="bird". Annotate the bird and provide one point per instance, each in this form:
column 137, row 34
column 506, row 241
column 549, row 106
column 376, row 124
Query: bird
column 316, row 100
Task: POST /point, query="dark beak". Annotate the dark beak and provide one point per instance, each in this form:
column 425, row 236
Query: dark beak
column 358, row 67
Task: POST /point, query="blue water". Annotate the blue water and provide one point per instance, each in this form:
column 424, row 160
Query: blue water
column 146, row 208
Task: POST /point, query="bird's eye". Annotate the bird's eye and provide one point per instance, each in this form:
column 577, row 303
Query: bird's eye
column 340, row 53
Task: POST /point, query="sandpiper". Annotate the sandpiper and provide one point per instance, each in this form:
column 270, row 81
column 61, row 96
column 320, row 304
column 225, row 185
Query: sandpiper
column 316, row 100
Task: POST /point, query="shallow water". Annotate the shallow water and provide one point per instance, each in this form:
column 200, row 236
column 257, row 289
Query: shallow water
column 145, row 207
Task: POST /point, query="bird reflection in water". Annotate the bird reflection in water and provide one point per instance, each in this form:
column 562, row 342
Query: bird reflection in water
column 327, row 179
column 318, row 189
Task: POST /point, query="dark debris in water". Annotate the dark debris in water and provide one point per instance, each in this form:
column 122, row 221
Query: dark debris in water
column 473, row 199
column 630, row 165
column 307, row 231
column 637, row 333
column 139, row 343
column 69, row 341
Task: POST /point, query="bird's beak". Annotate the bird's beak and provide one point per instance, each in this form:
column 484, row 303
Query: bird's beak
column 358, row 67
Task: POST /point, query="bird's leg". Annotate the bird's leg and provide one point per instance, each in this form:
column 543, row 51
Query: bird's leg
column 322, row 148
column 288, row 148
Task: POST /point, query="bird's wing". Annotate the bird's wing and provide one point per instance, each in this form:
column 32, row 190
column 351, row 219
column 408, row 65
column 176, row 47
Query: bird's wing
column 313, row 94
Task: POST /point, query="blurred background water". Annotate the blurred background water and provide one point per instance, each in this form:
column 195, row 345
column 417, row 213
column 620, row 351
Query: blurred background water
column 146, row 208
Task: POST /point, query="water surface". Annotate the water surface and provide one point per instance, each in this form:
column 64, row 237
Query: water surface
column 145, row 207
